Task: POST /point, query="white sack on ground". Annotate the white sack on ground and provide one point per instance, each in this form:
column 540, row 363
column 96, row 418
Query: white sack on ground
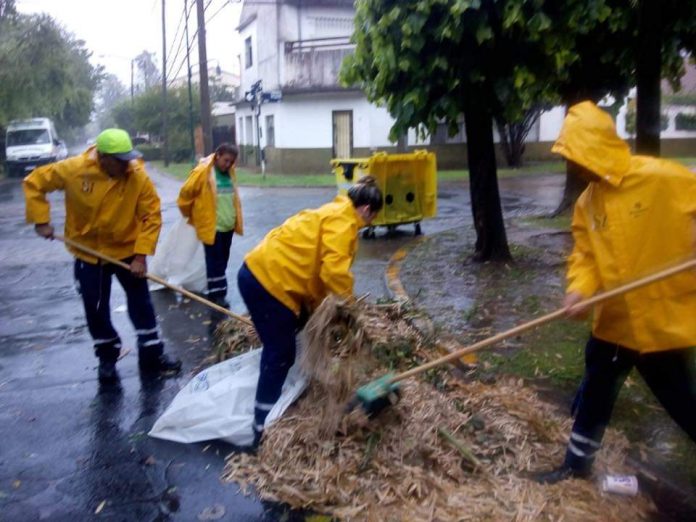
column 180, row 259
column 218, row 403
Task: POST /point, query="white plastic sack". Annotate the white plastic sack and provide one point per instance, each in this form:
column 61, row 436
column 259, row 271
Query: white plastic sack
column 180, row 259
column 218, row 403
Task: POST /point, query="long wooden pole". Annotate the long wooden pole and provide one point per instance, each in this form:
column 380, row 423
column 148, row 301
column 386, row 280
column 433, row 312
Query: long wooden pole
column 545, row 319
column 156, row 279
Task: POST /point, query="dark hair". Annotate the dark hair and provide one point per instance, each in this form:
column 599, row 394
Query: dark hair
column 366, row 192
column 227, row 148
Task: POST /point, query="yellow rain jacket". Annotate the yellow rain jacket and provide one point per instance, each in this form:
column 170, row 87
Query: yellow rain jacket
column 197, row 200
column 117, row 217
column 309, row 256
column 638, row 219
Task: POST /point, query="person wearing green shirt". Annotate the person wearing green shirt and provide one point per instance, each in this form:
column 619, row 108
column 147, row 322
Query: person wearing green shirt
column 210, row 201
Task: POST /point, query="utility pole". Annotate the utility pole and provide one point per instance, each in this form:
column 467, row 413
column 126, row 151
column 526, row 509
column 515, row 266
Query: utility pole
column 190, row 94
column 132, row 90
column 206, row 126
column 255, row 97
column 165, row 140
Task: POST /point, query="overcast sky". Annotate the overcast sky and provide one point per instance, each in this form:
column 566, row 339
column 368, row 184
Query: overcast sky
column 118, row 30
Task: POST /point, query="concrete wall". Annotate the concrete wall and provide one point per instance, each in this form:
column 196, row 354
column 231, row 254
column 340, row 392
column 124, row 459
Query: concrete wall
column 312, row 68
column 305, row 121
column 449, row 157
column 263, row 31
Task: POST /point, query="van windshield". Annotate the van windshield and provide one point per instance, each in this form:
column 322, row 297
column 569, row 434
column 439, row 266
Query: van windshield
column 27, row 137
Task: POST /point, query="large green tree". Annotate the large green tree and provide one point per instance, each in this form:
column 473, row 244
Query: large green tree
column 148, row 72
column 627, row 44
column 111, row 92
column 430, row 61
column 44, row 71
column 144, row 115
column 665, row 29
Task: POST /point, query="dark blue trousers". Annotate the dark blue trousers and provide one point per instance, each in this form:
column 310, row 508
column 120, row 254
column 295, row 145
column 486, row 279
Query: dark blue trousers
column 276, row 325
column 669, row 374
column 217, row 256
column 94, row 285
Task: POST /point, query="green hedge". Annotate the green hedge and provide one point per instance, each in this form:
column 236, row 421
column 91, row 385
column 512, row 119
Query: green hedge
column 150, row 152
column 685, row 122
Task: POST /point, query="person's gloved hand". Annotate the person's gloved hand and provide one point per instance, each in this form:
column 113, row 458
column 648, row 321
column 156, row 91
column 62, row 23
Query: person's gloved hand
column 570, row 304
column 45, row 230
column 138, row 266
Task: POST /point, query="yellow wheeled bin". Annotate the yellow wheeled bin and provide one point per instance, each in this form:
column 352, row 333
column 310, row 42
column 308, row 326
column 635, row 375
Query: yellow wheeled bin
column 408, row 183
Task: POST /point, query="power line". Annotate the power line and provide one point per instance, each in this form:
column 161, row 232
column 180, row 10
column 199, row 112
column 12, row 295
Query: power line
column 173, row 77
column 176, row 34
column 216, row 12
column 175, row 55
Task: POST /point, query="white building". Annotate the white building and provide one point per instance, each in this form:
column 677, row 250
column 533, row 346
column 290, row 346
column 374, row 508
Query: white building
column 295, row 47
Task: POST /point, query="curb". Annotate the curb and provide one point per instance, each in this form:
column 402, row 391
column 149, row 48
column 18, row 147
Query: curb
column 392, row 278
column 392, row 273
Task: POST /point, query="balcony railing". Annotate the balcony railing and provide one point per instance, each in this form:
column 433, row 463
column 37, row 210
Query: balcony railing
column 314, row 64
column 331, row 42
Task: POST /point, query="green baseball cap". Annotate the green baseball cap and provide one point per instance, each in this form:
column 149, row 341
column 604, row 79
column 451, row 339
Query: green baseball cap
column 117, row 143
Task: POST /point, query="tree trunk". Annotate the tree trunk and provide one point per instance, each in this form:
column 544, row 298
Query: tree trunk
column 648, row 76
column 402, row 143
column 491, row 239
column 504, row 140
column 574, row 185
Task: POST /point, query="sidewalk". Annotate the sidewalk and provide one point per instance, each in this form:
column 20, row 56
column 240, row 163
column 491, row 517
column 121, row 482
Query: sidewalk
column 473, row 301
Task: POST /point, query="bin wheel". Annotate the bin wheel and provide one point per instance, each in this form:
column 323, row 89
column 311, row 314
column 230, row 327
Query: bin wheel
column 369, row 233
column 417, row 230
column 391, row 229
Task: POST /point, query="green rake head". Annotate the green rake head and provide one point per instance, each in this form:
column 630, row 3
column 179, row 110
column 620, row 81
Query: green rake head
column 378, row 394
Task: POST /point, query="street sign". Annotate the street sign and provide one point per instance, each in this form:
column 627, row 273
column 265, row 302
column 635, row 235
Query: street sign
column 272, row 96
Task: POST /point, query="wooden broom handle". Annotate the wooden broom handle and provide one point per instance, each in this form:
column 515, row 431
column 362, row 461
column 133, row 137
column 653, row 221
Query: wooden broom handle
column 154, row 278
column 545, row 319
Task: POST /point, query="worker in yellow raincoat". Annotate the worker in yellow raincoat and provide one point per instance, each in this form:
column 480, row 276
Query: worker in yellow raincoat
column 636, row 217
column 291, row 271
column 112, row 207
column 209, row 200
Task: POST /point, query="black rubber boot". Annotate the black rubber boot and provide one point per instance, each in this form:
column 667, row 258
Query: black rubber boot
column 564, row 472
column 107, row 371
column 107, row 355
column 254, row 448
column 160, row 365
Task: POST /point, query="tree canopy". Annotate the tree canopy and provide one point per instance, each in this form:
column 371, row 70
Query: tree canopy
column 111, row 92
column 429, row 61
column 44, row 71
column 144, row 115
column 147, row 70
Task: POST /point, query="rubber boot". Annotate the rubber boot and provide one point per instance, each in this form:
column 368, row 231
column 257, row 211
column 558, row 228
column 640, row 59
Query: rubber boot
column 107, row 355
column 564, row 472
column 159, row 365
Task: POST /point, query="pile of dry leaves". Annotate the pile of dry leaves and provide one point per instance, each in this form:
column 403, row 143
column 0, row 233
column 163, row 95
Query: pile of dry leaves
column 449, row 450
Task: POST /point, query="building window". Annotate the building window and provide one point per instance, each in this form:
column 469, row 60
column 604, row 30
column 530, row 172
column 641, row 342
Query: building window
column 270, row 131
column 248, row 58
column 249, row 131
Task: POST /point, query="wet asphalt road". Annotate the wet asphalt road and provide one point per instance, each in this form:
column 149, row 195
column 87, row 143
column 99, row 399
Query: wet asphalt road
column 69, row 449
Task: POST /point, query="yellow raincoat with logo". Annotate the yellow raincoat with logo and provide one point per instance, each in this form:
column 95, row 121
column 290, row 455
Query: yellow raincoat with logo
column 639, row 218
column 117, row 217
column 197, row 200
column 309, row 256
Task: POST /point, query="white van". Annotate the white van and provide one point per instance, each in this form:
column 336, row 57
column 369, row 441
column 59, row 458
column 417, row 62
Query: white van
column 30, row 143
